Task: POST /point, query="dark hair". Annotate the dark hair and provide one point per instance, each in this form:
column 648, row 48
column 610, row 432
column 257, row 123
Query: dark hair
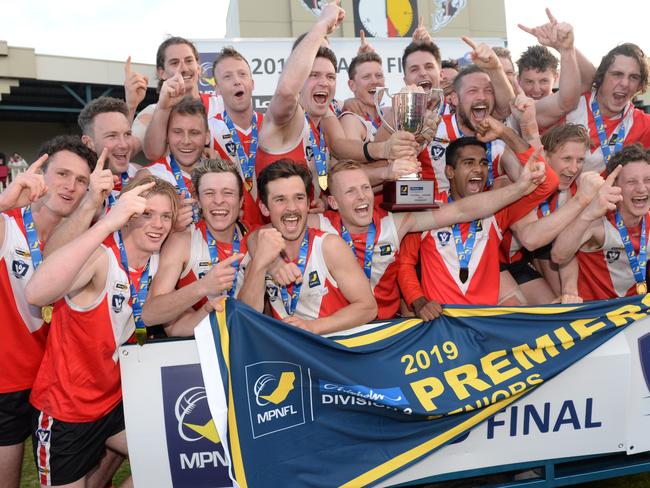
column 206, row 166
column 631, row 153
column 451, row 154
column 416, row 46
column 68, row 143
column 449, row 63
column 327, row 53
column 360, row 59
column 225, row 53
column 466, row 71
column 626, row 49
column 282, row 168
column 160, row 54
column 560, row 134
column 190, row 106
column 538, row 58
column 98, row 106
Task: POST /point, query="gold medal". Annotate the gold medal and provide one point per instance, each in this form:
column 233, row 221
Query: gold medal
column 322, row 182
column 46, row 313
column 641, row 288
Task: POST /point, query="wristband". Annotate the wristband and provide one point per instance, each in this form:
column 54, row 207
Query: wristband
column 525, row 156
column 366, row 154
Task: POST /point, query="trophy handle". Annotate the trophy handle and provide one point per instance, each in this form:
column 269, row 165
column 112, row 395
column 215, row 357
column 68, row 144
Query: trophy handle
column 440, row 95
column 378, row 92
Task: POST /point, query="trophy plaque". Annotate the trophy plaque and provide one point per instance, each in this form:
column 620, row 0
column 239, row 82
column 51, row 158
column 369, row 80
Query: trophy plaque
column 410, row 192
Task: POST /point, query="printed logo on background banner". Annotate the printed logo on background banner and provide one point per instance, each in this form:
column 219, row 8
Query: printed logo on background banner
column 275, row 396
column 196, row 457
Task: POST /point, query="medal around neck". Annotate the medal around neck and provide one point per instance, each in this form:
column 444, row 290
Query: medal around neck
column 46, row 313
column 410, row 192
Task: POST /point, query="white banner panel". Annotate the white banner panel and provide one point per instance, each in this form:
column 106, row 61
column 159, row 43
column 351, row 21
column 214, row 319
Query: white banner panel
column 268, row 56
column 599, row 405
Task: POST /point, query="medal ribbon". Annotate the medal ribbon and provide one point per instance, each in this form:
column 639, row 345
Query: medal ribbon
column 32, row 237
column 320, row 159
column 464, row 250
column 544, row 206
column 124, row 177
column 290, row 307
column 182, row 187
column 602, row 134
column 375, row 123
column 637, row 262
column 138, row 295
column 214, row 254
column 247, row 162
column 369, row 249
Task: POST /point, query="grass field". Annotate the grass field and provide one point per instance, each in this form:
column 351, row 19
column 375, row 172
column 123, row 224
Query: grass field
column 29, row 479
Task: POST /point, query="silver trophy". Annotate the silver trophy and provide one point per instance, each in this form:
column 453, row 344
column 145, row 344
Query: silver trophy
column 410, row 192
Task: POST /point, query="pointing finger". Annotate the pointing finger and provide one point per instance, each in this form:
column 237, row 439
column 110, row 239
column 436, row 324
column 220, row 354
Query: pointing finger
column 101, row 161
column 421, row 22
column 526, row 29
column 612, row 176
column 517, row 87
column 362, row 36
column 550, row 16
column 235, row 258
column 127, row 67
column 38, row 164
column 138, row 190
column 469, row 42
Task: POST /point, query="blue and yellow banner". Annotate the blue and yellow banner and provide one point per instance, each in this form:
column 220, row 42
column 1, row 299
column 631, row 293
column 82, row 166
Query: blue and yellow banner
column 304, row 410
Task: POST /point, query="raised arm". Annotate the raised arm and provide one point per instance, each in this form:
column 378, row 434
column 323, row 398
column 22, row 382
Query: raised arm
column 172, row 91
column 299, row 64
column 100, row 186
column 485, row 57
column 588, row 226
column 66, row 270
column 26, row 188
column 536, row 233
column 475, row 206
column 135, row 88
column 559, row 36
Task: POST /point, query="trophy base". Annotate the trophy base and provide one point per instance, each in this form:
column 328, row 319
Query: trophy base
column 408, row 195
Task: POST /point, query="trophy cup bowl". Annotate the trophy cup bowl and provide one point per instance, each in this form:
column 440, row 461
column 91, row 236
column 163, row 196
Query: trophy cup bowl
column 410, row 192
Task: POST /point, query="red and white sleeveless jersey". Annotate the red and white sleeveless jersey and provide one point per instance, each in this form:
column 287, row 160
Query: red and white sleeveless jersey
column 162, row 169
column 300, row 153
column 441, row 267
column 606, row 272
column 512, row 250
column 200, row 262
column 383, row 274
column 79, row 377
column 319, row 295
column 371, row 130
column 23, row 332
column 433, row 156
column 223, row 144
column 637, row 129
